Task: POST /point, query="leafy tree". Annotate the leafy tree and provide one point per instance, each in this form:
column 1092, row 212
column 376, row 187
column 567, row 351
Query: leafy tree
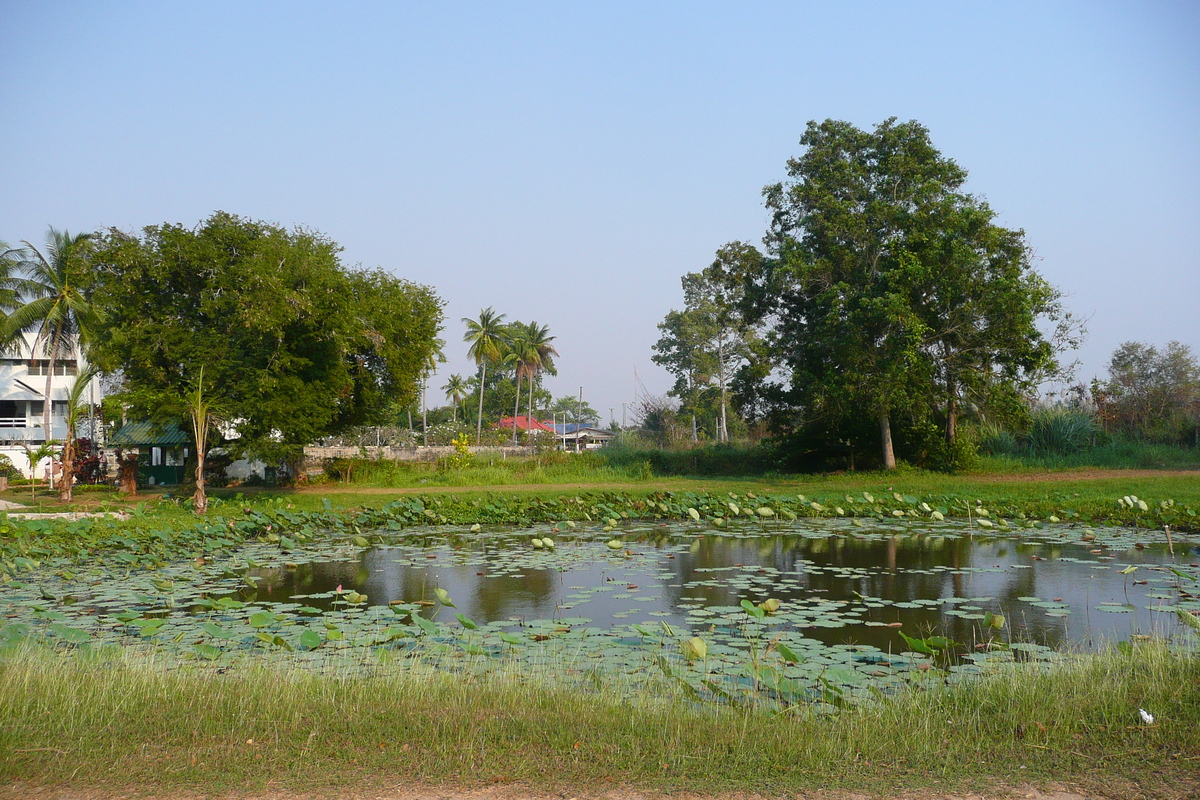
column 888, row 291
column 1151, row 393
column 708, row 341
column 56, row 308
column 570, row 406
column 486, row 336
column 293, row 346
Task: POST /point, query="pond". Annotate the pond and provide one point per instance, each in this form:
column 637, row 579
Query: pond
column 788, row 610
column 838, row 587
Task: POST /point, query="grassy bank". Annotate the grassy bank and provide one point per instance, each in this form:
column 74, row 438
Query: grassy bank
column 127, row 720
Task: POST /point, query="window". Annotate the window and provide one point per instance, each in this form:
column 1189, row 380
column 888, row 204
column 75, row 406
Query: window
column 156, row 458
column 63, row 367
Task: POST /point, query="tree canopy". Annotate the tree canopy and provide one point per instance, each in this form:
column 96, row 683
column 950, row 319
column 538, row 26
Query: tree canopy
column 1151, row 393
column 293, row 345
column 707, row 343
column 887, row 292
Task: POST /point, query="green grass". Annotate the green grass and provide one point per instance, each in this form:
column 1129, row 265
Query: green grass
column 129, row 720
column 552, row 467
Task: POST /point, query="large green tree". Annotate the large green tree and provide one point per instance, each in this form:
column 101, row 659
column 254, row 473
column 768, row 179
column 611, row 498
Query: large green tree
column 709, row 342
column 888, row 290
column 293, row 345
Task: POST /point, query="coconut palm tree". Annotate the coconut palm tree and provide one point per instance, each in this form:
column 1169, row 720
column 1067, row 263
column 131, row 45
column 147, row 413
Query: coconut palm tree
column 456, row 390
column 542, row 355
column 486, row 336
column 57, row 310
column 521, row 355
column 11, row 259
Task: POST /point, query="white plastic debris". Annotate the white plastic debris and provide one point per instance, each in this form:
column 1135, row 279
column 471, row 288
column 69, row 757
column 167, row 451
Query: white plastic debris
column 1147, row 717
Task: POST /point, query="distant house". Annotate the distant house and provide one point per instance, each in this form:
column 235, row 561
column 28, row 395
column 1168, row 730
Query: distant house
column 23, row 402
column 582, row 437
column 162, row 450
column 524, row 424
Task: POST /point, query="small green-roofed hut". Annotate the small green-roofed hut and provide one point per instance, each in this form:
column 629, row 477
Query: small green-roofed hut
column 163, row 450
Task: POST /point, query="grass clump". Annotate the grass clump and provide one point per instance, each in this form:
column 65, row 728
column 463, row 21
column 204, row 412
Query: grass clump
column 133, row 719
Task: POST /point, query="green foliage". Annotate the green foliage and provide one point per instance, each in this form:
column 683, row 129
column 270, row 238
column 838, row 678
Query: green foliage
column 463, row 457
column 574, row 411
column 708, row 342
column 1057, row 430
column 891, row 297
column 293, row 345
column 1152, row 394
column 8, row 469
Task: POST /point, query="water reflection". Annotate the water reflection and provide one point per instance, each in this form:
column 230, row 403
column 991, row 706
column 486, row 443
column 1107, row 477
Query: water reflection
column 838, row 586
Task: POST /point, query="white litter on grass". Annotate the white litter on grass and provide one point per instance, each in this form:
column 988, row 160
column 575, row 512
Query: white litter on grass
column 1147, row 717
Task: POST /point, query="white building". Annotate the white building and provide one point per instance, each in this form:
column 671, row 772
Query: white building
column 23, row 375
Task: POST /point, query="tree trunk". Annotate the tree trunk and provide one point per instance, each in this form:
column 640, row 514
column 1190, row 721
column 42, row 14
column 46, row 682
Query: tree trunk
column 424, row 415
column 68, row 469
column 49, row 378
column 885, row 435
column 529, row 408
column 516, row 408
column 479, row 416
column 200, row 498
column 127, row 469
column 723, row 434
column 951, row 421
column 951, row 413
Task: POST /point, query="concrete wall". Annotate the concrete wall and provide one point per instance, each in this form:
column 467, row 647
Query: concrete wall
column 317, row 454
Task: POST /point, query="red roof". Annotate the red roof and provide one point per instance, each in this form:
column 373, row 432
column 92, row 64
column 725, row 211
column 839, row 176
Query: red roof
column 524, row 424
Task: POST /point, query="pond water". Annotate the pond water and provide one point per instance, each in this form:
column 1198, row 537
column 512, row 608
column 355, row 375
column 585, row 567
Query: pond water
column 838, row 584
column 825, row 611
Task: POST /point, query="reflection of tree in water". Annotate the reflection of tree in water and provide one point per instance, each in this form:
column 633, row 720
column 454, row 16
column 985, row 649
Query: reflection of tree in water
column 842, row 567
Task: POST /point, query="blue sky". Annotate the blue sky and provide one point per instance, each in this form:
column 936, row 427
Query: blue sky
column 568, row 162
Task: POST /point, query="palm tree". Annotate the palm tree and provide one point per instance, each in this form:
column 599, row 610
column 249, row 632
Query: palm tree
column 456, row 390
column 57, row 309
column 11, row 259
column 203, row 413
column 521, row 355
column 542, row 355
column 76, row 408
column 486, row 336
column 436, row 356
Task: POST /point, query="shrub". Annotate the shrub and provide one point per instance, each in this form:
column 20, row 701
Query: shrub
column 1059, row 430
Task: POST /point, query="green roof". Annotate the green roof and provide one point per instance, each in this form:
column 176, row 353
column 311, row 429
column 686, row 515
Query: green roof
column 132, row 434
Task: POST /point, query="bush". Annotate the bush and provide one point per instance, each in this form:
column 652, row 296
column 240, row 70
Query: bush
column 995, row 441
column 1060, row 431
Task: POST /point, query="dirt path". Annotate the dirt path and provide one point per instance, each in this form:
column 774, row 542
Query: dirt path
column 1052, row 792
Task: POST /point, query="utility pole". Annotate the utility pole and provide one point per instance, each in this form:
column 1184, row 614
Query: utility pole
column 578, row 418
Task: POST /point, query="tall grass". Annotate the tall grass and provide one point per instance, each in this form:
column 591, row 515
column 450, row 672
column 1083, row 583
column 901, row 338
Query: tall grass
column 132, row 720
